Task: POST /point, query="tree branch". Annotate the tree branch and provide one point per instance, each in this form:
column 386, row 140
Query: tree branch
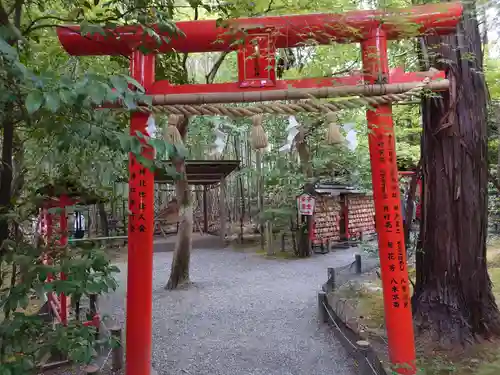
column 33, row 24
column 186, row 55
column 4, row 20
column 18, row 10
column 210, row 77
column 269, row 7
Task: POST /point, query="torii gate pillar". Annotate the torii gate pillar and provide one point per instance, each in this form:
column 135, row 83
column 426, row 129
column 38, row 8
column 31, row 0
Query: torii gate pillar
column 140, row 236
column 389, row 223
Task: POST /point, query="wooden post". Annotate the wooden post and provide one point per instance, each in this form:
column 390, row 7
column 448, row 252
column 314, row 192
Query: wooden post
column 205, row 210
column 222, row 210
column 93, row 310
column 386, row 195
column 357, row 261
column 140, row 235
column 269, row 242
column 331, row 279
column 260, row 195
column 363, row 347
column 93, row 305
column 322, row 313
column 117, row 352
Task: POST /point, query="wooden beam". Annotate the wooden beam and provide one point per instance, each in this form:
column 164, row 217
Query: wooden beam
column 205, row 209
column 170, row 97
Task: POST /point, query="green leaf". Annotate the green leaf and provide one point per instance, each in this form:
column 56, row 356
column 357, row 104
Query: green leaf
column 24, row 302
column 97, row 93
column 34, row 101
column 159, row 145
column 124, row 142
column 147, row 163
column 52, row 101
column 129, row 101
column 135, row 146
column 66, row 96
column 42, row 275
column 119, row 83
column 7, row 50
column 28, row 364
column 134, row 83
column 86, row 28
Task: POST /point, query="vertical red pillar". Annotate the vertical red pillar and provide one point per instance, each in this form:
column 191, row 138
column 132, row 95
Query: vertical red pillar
column 140, row 238
column 396, row 288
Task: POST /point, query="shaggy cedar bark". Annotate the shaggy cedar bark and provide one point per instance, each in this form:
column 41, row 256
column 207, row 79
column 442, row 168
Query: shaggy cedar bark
column 304, row 154
column 304, row 249
column 453, row 301
column 179, row 274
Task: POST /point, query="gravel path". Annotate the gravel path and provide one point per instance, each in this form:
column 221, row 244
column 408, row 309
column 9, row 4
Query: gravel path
column 244, row 315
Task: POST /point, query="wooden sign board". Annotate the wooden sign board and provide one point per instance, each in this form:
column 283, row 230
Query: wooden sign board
column 306, row 204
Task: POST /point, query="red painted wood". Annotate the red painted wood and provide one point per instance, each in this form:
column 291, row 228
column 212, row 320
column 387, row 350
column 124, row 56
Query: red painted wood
column 389, row 223
column 140, row 238
column 289, row 31
column 397, row 75
column 257, row 61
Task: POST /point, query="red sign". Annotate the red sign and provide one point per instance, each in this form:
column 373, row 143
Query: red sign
column 306, row 204
column 312, row 230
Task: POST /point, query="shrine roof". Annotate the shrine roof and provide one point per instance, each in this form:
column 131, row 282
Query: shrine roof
column 51, row 193
column 202, row 172
column 335, row 189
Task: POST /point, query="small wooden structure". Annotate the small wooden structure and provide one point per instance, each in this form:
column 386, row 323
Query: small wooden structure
column 208, row 174
column 343, row 213
column 52, row 228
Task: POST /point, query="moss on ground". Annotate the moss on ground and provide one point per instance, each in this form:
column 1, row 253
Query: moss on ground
column 481, row 359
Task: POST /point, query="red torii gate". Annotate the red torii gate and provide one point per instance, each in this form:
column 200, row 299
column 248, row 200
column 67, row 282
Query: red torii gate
column 370, row 28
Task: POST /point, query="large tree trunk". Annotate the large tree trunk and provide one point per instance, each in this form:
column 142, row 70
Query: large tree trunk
column 304, row 154
column 179, row 274
column 304, row 248
column 453, row 301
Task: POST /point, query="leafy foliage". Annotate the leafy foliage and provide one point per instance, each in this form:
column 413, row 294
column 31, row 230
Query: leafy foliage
column 88, row 272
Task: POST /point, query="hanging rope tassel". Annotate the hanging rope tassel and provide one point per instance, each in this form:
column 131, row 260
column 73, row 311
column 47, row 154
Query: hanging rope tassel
column 333, row 135
column 258, row 134
column 171, row 132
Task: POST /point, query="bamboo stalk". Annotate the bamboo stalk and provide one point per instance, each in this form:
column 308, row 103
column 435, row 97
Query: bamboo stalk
column 293, row 94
